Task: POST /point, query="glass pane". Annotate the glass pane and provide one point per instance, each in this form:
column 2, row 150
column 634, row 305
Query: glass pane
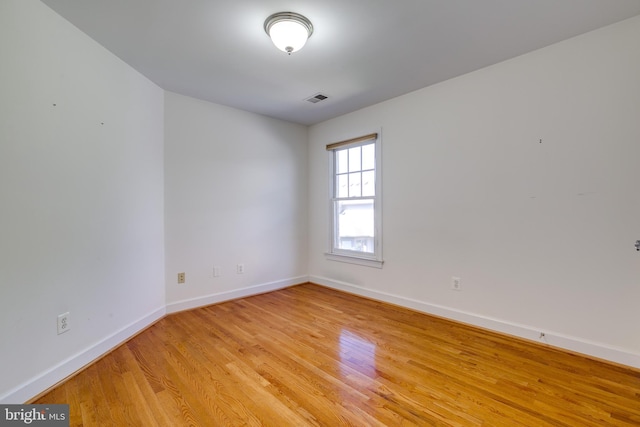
column 354, row 159
column 343, row 186
column 368, row 183
column 355, row 187
column 369, row 156
column 355, row 225
column 342, row 166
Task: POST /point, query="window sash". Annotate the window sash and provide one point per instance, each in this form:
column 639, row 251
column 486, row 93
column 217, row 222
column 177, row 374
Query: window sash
column 354, row 226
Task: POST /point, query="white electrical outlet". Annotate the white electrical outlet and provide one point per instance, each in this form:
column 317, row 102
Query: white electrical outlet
column 63, row 322
column 240, row 269
column 216, row 271
column 455, row 283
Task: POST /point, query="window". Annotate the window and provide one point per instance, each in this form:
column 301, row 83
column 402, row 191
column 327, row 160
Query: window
column 355, row 201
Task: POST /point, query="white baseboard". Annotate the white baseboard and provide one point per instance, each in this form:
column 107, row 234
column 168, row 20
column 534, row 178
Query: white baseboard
column 188, row 304
column 573, row 344
column 49, row 378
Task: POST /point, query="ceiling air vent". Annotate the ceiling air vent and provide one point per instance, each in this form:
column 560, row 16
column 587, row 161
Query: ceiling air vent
column 317, row 98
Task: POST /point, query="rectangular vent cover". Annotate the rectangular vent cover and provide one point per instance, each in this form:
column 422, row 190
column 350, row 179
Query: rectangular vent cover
column 317, row 98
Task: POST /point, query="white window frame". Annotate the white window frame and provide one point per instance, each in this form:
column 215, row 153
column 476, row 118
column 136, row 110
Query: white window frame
column 350, row 256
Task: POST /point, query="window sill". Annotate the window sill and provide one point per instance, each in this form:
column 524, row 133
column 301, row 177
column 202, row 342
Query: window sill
column 367, row 262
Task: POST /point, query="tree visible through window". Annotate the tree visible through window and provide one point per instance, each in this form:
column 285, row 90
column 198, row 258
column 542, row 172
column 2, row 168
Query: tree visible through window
column 355, row 198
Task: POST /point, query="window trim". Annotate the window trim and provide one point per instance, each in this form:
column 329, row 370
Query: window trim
column 343, row 255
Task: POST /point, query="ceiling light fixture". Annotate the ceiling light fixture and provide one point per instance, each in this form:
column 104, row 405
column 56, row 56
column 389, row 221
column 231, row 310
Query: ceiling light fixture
column 289, row 31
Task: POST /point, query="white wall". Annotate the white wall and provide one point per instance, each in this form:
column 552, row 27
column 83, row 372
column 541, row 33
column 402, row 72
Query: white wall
column 81, row 199
column 235, row 193
column 541, row 234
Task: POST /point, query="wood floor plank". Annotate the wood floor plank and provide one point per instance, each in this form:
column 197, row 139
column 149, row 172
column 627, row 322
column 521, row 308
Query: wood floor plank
column 312, row 356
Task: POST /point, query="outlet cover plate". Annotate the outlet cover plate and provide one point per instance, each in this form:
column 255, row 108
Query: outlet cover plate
column 64, row 322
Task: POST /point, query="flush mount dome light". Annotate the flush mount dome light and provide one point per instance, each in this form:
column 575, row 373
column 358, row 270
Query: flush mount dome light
column 289, row 31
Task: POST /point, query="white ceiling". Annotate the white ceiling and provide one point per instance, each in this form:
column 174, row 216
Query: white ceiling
column 361, row 52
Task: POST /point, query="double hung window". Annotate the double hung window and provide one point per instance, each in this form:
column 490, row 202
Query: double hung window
column 355, row 201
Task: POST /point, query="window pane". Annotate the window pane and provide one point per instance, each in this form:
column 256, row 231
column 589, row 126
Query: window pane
column 355, row 187
column 355, row 225
column 342, row 166
column 354, row 159
column 369, row 156
column 343, row 186
column 368, row 184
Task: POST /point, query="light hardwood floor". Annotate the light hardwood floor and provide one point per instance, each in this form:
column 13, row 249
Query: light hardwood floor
column 311, row 356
